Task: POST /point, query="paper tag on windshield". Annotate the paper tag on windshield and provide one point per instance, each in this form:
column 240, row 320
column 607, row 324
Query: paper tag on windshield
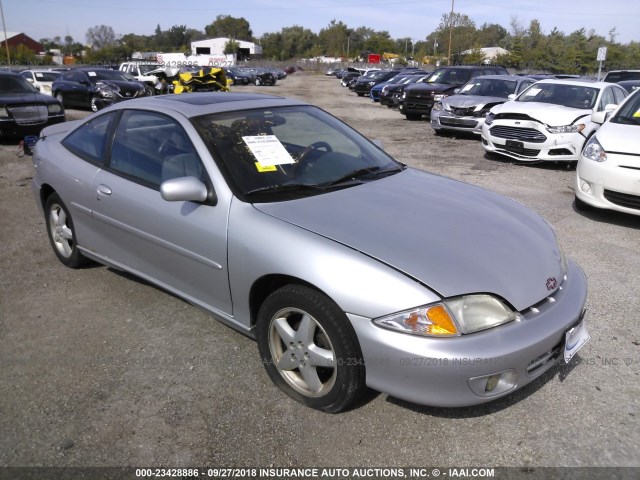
column 91, row 74
column 532, row 92
column 466, row 88
column 268, row 150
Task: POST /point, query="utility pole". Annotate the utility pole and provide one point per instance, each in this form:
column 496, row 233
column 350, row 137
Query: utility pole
column 6, row 40
column 450, row 29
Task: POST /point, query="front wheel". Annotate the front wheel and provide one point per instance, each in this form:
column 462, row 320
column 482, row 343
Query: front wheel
column 61, row 233
column 310, row 349
column 413, row 116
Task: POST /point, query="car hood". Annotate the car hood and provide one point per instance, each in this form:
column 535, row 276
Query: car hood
column 619, row 138
column 123, row 85
column 463, row 101
column 546, row 113
column 430, row 87
column 453, row 237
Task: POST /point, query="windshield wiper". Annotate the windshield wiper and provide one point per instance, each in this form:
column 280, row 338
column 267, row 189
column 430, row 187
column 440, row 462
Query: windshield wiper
column 361, row 172
column 285, row 187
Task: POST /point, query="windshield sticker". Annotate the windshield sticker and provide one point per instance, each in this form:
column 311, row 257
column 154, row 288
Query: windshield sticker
column 532, row 92
column 39, row 75
column 92, row 74
column 268, row 168
column 466, row 88
column 268, row 150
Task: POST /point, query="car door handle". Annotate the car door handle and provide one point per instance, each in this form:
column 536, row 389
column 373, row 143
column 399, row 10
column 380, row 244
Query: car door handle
column 103, row 190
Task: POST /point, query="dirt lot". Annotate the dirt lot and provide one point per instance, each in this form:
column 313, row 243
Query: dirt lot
column 101, row 369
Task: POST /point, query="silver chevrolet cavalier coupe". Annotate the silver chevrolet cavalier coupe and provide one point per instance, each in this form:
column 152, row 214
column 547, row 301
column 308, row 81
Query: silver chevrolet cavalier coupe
column 348, row 268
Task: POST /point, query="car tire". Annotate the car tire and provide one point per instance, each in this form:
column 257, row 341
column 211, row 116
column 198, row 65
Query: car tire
column 61, row 232
column 309, row 349
column 412, row 116
column 93, row 104
column 149, row 91
column 59, row 97
column 360, row 94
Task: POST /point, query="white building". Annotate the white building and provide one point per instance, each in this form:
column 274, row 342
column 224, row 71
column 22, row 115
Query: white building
column 215, row 46
column 490, row 53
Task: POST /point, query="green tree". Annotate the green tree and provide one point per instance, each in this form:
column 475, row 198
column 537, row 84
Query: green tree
column 231, row 27
column 231, row 47
column 100, row 36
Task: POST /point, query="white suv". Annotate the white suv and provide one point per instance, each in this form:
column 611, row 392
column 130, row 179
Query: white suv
column 550, row 120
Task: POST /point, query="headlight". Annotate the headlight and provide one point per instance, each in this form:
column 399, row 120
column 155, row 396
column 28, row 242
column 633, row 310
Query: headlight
column 372, row 83
column 438, row 96
column 54, row 108
column 4, row 113
column 566, row 128
column 438, row 106
column 404, row 94
column 452, row 317
column 489, row 118
column 385, row 89
column 594, row 151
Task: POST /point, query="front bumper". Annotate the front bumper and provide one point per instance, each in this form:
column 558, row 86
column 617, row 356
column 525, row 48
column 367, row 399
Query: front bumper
column 444, row 371
column 613, row 184
column 447, row 121
column 9, row 128
column 556, row 147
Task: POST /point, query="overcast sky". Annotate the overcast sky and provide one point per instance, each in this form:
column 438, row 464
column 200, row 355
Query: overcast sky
column 401, row 18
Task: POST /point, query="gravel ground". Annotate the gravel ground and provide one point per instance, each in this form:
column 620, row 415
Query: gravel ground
column 101, row 369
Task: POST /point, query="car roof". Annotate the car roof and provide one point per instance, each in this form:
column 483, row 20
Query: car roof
column 202, row 103
column 583, row 82
column 514, row 78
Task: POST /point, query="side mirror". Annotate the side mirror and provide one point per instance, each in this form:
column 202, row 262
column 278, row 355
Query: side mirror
column 512, row 96
column 456, row 90
column 28, row 79
column 599, row 117
column 184, row 189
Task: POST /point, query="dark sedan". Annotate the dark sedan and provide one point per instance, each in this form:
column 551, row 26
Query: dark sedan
column 363, row 85
column 24, row 110
column 95, row 88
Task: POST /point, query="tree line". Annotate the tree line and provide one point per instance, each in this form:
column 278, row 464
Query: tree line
column 529, row 48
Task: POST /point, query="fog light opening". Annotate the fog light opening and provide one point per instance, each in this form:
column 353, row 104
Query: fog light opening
column 494, row 384
column 585, row 186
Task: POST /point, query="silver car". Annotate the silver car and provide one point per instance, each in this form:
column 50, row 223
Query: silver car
column 465, row 111
column 348, row 268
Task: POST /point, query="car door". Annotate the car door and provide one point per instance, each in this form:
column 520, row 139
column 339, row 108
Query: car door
column 74, row 90
column 180, row 245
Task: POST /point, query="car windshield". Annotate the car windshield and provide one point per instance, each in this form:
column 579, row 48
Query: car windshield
column 489, row 87
column 296, row 151
column 15, row 84
column 146, row 68
column 453, row 76
column 624, row 75
column 109, row 75
column 629, row 113
column 572, row 96
column 46, row 76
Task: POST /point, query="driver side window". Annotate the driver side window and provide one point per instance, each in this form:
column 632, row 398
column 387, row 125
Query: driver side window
column 150, row 148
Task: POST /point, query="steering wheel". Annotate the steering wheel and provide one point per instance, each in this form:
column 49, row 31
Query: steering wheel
column 304, row 161
column 312, row 147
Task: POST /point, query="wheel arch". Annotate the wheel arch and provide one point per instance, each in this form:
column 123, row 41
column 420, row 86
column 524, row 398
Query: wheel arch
column 45, row 192
column 266, row 285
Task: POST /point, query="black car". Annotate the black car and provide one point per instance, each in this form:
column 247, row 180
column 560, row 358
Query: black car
column 95, row 88
column 363, row 85
column 23, row 109
column 264, row 76
column 418, row 99
column 390, row 94
column 630, row 85
column 349, row 77
column 238, row 77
